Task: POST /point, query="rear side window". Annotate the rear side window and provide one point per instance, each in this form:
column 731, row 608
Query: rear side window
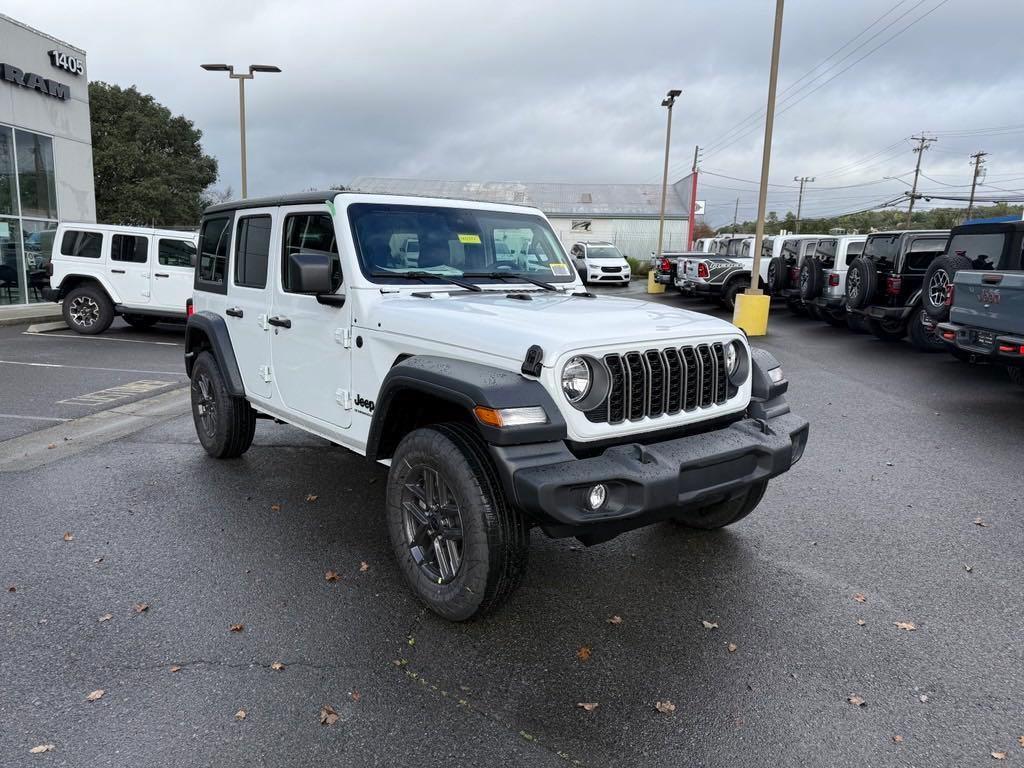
column 882, row 250
column 214, row 239
column 87, row 245
column 310, row 232
column 984, row 249
column 252, row 250
column 853, row 250
column 922, row 251
column 131, row 248
column 826, row 252
column 176, row 253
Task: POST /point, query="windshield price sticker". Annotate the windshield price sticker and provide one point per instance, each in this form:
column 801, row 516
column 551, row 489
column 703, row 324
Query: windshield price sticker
column 560, row 270
column 469, row 239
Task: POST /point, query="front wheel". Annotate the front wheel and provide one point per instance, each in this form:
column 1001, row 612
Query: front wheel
column 225, row 424
column 724, row 512
column 887, row 330
column 459, row 544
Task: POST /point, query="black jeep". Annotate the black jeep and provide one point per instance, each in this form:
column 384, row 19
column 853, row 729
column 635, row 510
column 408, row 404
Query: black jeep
column 883, row 285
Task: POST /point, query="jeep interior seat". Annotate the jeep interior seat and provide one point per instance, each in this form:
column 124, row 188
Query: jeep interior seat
column 434, row 251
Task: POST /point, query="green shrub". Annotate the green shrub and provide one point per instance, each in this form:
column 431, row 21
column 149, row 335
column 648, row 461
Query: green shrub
column 638, row 267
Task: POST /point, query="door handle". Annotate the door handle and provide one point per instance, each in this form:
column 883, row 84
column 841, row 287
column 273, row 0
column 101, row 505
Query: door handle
column 280, row 322
column 160, row 274
column 233, row 312
column 117, row 271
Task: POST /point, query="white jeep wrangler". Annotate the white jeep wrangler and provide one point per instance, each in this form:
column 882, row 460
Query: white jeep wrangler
column 502, row 396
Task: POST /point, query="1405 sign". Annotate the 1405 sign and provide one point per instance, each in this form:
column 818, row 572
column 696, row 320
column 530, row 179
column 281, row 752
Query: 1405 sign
column 72, row 64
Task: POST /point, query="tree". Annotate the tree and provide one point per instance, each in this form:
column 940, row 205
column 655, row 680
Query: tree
column 148, row 164
column 700, row 229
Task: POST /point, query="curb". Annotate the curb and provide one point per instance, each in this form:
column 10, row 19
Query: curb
column 56, row 325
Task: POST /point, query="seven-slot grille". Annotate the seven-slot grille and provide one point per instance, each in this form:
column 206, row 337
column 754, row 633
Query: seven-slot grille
column 660, row 382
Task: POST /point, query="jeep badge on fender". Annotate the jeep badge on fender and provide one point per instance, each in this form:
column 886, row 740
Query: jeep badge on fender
column 501, row 395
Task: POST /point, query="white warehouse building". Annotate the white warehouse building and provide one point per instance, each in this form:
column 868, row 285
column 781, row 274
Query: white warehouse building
column 623, row 214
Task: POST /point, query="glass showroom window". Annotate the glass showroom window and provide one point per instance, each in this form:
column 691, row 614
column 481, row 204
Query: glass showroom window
column 28, row 214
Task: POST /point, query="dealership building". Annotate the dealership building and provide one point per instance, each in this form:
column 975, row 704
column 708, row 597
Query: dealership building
column 46, row 173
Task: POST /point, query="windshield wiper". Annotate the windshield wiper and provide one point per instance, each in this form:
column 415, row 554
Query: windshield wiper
column 512, row 276
column 421, row 275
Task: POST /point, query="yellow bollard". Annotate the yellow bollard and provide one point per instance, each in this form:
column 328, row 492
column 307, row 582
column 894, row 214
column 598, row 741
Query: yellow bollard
column 751, row 313
column 653, row 287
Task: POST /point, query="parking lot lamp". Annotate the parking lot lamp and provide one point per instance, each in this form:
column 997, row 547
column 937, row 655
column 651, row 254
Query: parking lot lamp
column 751, row 310
column 241, row 78
column 668, row 101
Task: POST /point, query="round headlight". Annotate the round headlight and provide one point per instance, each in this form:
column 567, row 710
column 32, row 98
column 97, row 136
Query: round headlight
column 732, row 358
column 576, row 379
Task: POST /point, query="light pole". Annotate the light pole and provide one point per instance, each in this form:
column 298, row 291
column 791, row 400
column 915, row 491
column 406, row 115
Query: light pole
column 253, row 69
column 668, row 101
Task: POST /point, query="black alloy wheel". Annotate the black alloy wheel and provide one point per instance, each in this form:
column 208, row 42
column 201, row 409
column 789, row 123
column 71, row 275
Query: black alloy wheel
column 432, row 520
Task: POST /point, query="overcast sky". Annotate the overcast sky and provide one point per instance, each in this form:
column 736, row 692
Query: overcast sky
column 570, row 91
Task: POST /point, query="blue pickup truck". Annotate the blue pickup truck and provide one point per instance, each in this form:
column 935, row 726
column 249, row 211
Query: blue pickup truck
column 986, row 319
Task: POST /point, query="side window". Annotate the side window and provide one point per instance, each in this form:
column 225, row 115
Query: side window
column 132, row 248
column 213, row 255
column 922, row 252
column 310, row 232
column 853, row 250
column 86, row 245
column 252, row 251
column 176, row 253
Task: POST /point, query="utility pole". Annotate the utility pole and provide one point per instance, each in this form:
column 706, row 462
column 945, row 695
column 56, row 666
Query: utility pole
column 923, row 142
column 735, row 216
column 693, row 197
column 800, row 200
column 978, row 158
column 669, row 101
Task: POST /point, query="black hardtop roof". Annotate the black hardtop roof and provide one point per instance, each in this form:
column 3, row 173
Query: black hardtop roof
column 989, row 227
column 298, row 198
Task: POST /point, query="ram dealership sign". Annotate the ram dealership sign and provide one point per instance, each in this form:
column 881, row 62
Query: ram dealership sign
column 11, row 74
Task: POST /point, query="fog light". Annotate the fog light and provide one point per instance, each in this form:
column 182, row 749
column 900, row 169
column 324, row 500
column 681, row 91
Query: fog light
column 597, row 496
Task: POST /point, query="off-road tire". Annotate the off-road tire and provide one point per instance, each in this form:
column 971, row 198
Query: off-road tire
column 834, row 317
column 724, row 512
column 810, row 279
column 887, row 331
column 88, row 310
column 1016, row 374
column 920, row 337
column 797, row 307
column 735, row 287
column 495, row 537
column 140, row 322
column 229, row 430
column 937, row 277
column 776, row 277
column 856, row 323
column 861, row 283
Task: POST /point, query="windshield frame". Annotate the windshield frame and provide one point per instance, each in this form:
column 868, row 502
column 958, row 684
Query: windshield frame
column 513, row 220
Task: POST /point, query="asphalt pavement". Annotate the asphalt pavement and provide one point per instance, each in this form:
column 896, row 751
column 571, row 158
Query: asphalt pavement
column 904, row 512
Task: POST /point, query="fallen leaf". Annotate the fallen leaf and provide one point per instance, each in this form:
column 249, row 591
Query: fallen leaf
column 709, row 624
column 364, row 566
column 42, row 748
column 51, row 446
column 897, row 739
column 856, row 700
column 277, row 666
column 923, row 698
column 240, row 714
column 1020, row 740
column 732, row 647
column 95, row 695
column 356, row 696
column 327, row 715
column 105, row 617
column 69, row 536
column 236, row 627
column 12, row 588
column 331, row 576
column 666, row 707
column 860, row 598
column 615, row 620
column 968, row 568
column 141, row 607
column 399, row 662
column 861, row 622
column 175, row 669
column 275, row 507
column 97, row 560
column 583, row 654
column 888, row 464
column 980, row 523
column 907, row 625
column 999, row 755
column 587, row 707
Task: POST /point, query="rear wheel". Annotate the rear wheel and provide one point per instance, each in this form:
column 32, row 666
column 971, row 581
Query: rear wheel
column 923, row 334
column 88, row 310
column 796, row 307
column 459, row 544
column 887, row 330
column 856, row 323
column 776, row 274
column 225, row 424
column 724, row 512
column 834, row 317
column 734, row 288
column 937, row 280
column 140, row 322
column 861, row 282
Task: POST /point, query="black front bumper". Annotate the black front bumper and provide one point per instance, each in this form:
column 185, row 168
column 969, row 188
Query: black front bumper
column 984, row 344
column 650, row 482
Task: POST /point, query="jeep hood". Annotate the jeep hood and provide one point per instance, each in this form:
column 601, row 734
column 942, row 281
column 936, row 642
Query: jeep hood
column 492, row 322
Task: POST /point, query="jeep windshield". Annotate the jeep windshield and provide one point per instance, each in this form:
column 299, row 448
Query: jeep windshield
column 482, row 245
column 603, row 252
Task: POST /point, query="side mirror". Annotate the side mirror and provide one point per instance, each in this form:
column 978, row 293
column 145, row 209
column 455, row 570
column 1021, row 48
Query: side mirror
column 310, row 272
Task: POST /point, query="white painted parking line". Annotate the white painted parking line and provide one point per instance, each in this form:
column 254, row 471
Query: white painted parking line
column 120, row 392
column 30, row 418
column 92, row 368
column 99, row 338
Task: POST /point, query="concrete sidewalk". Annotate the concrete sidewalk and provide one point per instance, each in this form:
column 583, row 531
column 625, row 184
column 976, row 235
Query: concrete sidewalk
column 19, row 314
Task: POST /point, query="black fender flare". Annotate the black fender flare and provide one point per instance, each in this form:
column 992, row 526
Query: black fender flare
column 467, row 384
column 212, row 328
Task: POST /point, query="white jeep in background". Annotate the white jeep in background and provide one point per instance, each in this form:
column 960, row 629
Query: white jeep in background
column 100, row 271
column 501, row 395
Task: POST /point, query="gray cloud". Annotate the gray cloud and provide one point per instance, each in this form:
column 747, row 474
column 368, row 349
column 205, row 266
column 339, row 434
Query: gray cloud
column 567, row 91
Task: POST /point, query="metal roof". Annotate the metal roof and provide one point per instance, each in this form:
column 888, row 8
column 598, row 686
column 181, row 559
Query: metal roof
column 555, row 199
